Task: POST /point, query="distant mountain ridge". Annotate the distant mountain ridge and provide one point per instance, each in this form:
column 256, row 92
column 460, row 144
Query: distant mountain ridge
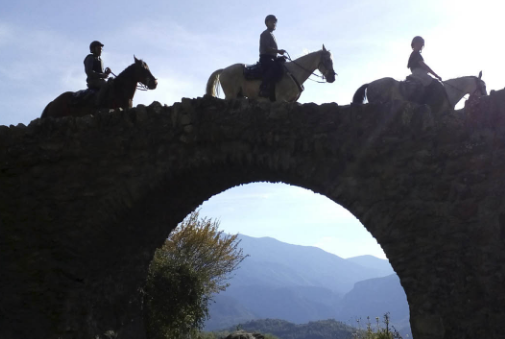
column 274, row 263
column 301, row 284
column 372, row 262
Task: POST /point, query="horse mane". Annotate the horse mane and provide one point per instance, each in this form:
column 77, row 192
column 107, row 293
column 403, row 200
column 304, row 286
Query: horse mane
column 322, row 52
column 463, row 77
column 127, row 71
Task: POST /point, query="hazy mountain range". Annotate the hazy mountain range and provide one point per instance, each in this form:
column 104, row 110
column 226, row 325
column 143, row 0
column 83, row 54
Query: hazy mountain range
column 301, row 284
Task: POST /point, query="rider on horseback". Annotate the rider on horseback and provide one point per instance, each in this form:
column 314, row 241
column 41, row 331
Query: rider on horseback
column 434, row 91
column 93, row 66
column 270, row 63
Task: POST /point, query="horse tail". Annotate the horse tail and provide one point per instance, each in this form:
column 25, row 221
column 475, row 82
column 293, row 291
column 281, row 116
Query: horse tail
column 45, row 111
column 213, row 83
column 360, row 95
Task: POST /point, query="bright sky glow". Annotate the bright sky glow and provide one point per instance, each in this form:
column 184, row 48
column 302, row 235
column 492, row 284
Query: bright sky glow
column 43, row 44
column 291, row 214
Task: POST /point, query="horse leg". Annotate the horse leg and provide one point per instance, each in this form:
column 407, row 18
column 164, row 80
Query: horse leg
column 227, row 87
column 234, row 84
column 286, row 90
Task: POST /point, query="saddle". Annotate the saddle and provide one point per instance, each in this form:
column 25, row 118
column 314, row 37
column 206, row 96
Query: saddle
column 253, row 72
column 412, row 89
column 433, row 95
column 91, row 96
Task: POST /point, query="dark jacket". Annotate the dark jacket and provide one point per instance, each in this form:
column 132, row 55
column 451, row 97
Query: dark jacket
column 267, row 41
column 93, row 66
column 414, row 60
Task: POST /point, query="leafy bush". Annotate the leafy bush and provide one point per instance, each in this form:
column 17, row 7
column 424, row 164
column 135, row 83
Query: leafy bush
column 193, row 264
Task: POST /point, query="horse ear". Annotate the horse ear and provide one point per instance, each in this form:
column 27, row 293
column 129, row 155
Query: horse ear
column 324, row 48
column 134, row 58
column 480, row 75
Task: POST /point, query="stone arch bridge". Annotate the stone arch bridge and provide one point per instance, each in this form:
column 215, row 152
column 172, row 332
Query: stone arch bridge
column 85, row 202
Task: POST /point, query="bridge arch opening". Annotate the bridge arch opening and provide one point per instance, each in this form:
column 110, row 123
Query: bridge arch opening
column 312, row 228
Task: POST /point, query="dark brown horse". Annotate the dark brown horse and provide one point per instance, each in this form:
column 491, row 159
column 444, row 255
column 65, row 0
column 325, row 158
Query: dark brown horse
column 119, row 94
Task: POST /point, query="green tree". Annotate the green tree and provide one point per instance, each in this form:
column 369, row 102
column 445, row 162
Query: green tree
column 193, row 264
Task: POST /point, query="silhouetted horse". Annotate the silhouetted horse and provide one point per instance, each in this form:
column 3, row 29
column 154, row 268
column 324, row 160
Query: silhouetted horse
column 388, row 89
column 119, row 94
column 289, row 88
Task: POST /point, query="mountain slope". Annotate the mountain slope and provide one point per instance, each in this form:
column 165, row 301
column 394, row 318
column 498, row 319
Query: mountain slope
column 373, row 298
column 290, row 282
column 274, row 263
column 372, row 262
column 227, row 311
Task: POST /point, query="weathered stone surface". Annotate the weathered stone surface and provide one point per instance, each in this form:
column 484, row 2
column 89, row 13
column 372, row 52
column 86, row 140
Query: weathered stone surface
column 85, row 202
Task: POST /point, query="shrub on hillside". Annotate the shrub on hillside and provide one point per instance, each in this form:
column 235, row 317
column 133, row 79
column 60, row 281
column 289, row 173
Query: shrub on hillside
column 193, row 264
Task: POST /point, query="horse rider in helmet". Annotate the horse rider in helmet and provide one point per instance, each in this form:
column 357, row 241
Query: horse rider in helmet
column 271, row 64
column 434, row 91
column 96, row 75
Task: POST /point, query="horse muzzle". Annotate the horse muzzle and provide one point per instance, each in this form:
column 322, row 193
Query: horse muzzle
column 152, row 84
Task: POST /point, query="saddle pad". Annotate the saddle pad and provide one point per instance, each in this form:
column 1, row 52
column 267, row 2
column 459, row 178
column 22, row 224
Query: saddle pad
column 253, row 72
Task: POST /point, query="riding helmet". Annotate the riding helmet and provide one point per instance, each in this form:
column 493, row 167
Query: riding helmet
column 94, row 44
column 416, row 39
column 270, row 17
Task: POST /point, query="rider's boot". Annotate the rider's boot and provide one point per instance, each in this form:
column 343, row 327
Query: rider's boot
column 272, row 92
column 264, row 90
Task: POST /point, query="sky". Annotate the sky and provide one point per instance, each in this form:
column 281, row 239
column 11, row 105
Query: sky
column 293, row 215
column 43, row 45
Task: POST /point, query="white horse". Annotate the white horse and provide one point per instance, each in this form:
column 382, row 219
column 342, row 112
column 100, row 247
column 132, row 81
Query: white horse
column 235, row 85
column 388, row 89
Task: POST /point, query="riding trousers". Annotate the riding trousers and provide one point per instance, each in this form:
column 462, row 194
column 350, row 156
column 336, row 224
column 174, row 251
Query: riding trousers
column 272, row 70
column 434, row 91
column 423, row 76
column 95, row 83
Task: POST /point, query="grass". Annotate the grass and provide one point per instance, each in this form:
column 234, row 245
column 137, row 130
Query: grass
column 387, row 332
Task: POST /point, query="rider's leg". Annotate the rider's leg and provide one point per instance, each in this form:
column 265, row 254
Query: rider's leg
column 101, row 95
column 435, row 95
column 269, row 72
column 94, row 86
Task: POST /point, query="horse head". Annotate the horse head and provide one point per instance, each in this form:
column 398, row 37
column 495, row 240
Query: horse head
column 480, row 85
column 326, row 65
column 143, row 74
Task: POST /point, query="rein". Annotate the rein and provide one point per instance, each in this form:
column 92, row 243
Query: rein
column 456, row 88
column 462, row 91
column 306, row 70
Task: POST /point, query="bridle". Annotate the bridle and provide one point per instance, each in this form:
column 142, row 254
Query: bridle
column 145, row 87
column 140, row 86
column 310, row 72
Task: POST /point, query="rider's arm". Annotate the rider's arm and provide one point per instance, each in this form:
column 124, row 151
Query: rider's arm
column 429, row 70
column 276, row 51
column 88, row 68
column 267, row 44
